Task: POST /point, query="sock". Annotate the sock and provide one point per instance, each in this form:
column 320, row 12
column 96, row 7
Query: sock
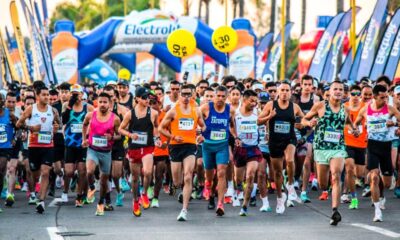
column 254, row 190
column 108, row 197
column 101, row 200
column 230, row 184
column 265, row 201
column 303, row 192
column 353, row 195
column 334, row 209
column 92, row 187
column 377, row 205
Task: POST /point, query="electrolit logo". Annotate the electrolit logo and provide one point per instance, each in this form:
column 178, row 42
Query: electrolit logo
column 323, row 48
column 241, row 62
column 145, row 70
column 370, row 39
column 386, row 43
column 396, row 46
column 66, row 64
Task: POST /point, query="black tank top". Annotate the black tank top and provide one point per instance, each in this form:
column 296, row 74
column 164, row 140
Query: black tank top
column 281, row 126
column 118, row 144
column 144, row 128
column 129, row 103
column 305, row 108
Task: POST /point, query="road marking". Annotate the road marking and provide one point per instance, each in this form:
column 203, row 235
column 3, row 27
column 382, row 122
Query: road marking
column 379, row 230
column 54, row 202
column 52, row 231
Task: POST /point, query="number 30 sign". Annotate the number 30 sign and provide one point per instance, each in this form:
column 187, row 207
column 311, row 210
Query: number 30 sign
column 224, row 39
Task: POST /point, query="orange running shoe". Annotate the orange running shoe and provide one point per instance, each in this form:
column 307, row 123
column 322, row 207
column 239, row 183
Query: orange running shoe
column 324, row 196
column 145, row 201
column 90, row 195
column 136, row 209
column 228, row 200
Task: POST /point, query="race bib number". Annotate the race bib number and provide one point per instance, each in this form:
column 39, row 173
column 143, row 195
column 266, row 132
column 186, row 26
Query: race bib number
column 186, row 124
column 248, row 128
column 377, row 126
column 76, row 128
column 282, row 127
column 218, row 135
column 142, row 138
column 100, row 141
column 3, row 137
column 44, row 137
column 331, row 135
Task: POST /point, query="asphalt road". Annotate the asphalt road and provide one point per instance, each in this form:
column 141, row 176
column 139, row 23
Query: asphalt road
column 304, row 221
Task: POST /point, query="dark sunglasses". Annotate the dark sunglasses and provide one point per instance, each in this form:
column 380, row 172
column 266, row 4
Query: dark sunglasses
column 145, row 97
column 355, row 94
column 186, row 94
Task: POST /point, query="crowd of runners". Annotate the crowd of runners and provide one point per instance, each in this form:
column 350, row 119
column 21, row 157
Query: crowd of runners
column 226, row 143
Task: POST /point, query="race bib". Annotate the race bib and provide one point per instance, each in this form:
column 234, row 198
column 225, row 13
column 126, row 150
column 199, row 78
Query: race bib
column 76, row 128
column 3, row 137
column 332, row 135
column 142, row 138
column 377, row 126
column 44, row 137
column 99, row 141
column 282, row 127
column 217, row 135
column 186, row 124
column 248, row 128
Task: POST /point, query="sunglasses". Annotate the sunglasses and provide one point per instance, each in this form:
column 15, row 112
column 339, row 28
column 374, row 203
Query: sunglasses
column 174, row 89
column 355, row 94
column 145, row 97
column 231, row 86
column 187, row 95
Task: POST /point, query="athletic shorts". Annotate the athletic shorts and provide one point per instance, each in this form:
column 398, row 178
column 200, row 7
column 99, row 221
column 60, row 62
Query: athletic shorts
column 199, row 153
column 40, row 156
column 6, row 153
column 215, row 154
column 59, row 147
column 277, row 148
column 231, row 141
column 16, row 149
column 396, row 143
column 324, row 156
column 75, row 155
column 243, row 155
column 267, row 157
column 136, row 155
column 118, row 154
column 179, row 152
column 380, row 157
column 102, row 159
column 160, row 159
column 25, row 154
column 358, row 154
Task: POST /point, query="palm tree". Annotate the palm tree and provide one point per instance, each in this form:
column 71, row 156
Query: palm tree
column 241, row 8
column 207, row 3
column 234, row 3
column 393, row 5
column 272, row 22
column 287, row 11
column 303, row 16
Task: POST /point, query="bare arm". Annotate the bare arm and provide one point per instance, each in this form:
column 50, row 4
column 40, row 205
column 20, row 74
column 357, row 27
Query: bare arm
column 85, row 126
column 266, row 114
column 305, row 121
column 154, row 119
column 165, row 123
column 200, row 120
column 360, row 116
column 124, row 125
column 117, row 122
column 25, row 115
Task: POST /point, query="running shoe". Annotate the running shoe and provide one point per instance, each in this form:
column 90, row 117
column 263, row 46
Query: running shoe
column 119, row 201
column 292, row 195
column 324, row 196
column 59, row 182
column 220, row 210
column 240, row 196
column 296, row 185
column 378, row 215
column 64, row 197
column 90, row 195
column 72, row 185
column 166, row 189
column 366, row 192
column 52, row 191
column 24, row 187
column 253, row 202
column 108, row 207
column 37, row 187
column 206, row 194
column 382, row 202
column 180, row 197
column 393, row 184
column 266, row 208
column 211, row 203
column 289, row 203
column 136, row 209
column 336, row 218
column 354, row 203
column 154, row 203
column 10, row 200
column 397, row 192
column 243, row 212
column 124, row 185
column 32, row 199
column 100, row 210
column 78, row 203
column 345, row 198
column 304, row 197
column 40, row 207
column 17, row 186
column 359, row 183
column 314, row 184
column 280, row 204
column 150, row 192
column 227, row 200
column 182, row 215
column 145, row 201
column 4, row 193
column 229, row 192
column 235, row 202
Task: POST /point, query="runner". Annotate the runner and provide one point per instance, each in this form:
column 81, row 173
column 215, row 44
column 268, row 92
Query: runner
column 218, row 116
column 102, row 127
column 43, row 122
column 171, row 99
column 125, row 97
column 183, row 120
column 378, row 119
column 366, row 93
column 281, row 116
column 73, row 114
column 142, row 124
column 329, row 148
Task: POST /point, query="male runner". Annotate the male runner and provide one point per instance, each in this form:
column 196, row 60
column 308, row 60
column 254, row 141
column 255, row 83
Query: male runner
column 125, row 97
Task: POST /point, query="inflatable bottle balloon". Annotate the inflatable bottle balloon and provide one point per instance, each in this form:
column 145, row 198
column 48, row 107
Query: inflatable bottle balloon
column 65, row 52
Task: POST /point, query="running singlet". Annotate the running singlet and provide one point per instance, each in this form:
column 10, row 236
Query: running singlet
column 246, row 128
column 217, row 130
column 160, row 151
column 73, row 128
column 118, row 144
column 184, row 125
column 129, row 103
column 281, row 126
column 349, row 138
column 305, row 108
column 97, row 138
column 44, row 138
column 6, row 130
column 263, row 143
column 144, row 128
column 329, row 130
column 376, row 124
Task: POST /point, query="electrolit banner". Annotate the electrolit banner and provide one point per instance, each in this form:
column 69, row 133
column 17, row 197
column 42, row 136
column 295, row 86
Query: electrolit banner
column 307, row 44
column 145, row 65
column 262, row 53
column 16, row 60
column 98, row 71
column 394, row 58
column 65, row 57
column 372, row 38
column 193, row 65
column 242, row 59
column 321, row 53
column 209, row 69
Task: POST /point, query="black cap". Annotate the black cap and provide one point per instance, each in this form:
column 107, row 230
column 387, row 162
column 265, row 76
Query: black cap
column 123, row 82
column 141, row 91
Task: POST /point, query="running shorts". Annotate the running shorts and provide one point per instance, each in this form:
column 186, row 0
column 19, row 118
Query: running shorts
column 215, row 154
column 75, row 155
column 136, row 155
column 40, row 156
column 243, row 155
column 101, row 158
column 179, row 152
column 379, row 157
column 324, row 156
column 358, row 154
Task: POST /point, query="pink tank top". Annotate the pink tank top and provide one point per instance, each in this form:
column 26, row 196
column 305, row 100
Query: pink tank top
column 97, row 140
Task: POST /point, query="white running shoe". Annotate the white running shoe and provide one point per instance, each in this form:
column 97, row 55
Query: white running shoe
column 265, row 208
column 280, row 204
column 378, row 215
column 345, row 198
column 235, row 201
column 24, row 187
column 393, row 184
column 240, row 196
column 229, row 192
column 182, row 216
column 292, row 192
column 314, row 184
column 64, row 197
column 296, row 185
column 289, row 203
column 382, row 202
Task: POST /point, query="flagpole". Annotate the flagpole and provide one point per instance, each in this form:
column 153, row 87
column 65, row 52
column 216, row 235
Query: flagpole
column 283, row 23
column 353, row 28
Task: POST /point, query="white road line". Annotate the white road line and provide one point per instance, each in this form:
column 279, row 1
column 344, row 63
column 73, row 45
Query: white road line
column 52, row 231
column 54, row 202
column 379, row 230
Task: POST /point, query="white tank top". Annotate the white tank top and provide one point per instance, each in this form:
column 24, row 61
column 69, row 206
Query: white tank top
column 246, row 128
column 45, row 119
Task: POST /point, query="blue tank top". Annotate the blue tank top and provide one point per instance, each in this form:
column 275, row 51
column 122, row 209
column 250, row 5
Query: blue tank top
column 73, row 128
column 217, row 125
column 6, row 130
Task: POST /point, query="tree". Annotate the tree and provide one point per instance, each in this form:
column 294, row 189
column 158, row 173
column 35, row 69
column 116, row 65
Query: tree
column 241, row 8
column 303, row 16
column 393, row 5
column 272, row 22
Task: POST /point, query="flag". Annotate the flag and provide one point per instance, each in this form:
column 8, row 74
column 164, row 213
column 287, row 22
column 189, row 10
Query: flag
column 262, row 53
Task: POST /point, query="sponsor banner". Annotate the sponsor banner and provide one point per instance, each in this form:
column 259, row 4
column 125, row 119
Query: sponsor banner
column 394, row 57
column 262, row 53
column 271, row 66
column 65, row 57
column 193, row 65
column 145, row 67
column 242, row 58
column 324, row 45
column 130, row 48
column 307, row 45
column 357, row 58
column 371, row 40
column 10, row 64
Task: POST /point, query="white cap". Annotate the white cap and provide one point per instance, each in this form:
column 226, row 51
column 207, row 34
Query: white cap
column 258, row 86
column 396, row 90
column 111, row 82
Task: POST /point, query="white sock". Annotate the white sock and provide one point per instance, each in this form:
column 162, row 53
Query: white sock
column 254, row 191
column 377, row 205
column 265, row 201
column 230, row 184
